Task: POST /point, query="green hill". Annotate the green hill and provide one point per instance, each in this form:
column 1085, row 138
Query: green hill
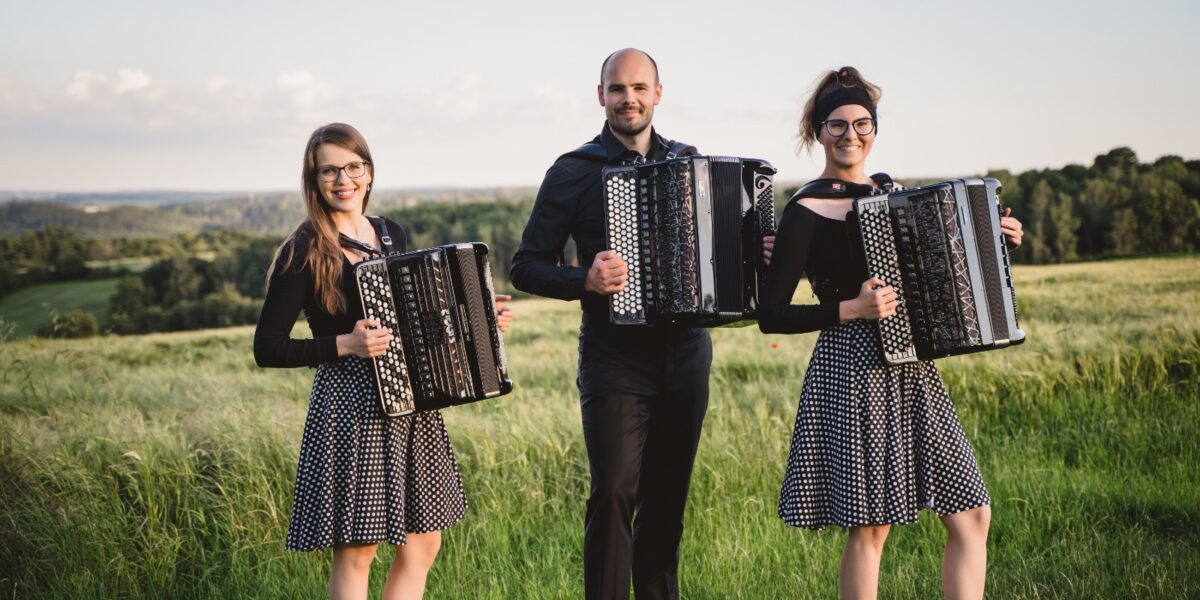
column 161, row 466
column 30, row 309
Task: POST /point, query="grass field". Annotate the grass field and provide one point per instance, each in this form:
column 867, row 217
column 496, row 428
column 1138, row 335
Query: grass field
column 161, row 466
column 29, row 309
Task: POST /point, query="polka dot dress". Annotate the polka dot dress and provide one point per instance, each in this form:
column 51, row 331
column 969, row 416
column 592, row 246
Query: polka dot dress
column 874, row 444
column 367, row 477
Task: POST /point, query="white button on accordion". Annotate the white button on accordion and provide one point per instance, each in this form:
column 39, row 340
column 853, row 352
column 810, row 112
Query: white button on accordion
column 439, row 305
column 940, row 246
column 690, row 230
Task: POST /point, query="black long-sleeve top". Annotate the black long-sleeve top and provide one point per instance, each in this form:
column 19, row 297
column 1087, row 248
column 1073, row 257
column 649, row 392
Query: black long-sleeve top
column 807, row 243
column 570, row 204
column 291, row 290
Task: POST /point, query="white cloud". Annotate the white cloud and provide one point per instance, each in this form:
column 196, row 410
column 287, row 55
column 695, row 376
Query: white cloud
column 131, row 80
column 80, row 87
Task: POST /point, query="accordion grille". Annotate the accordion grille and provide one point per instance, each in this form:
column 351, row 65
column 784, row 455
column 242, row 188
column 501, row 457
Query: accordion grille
column 391, row 373
column 879, row 247
column 674, row 242
column 478, row 324
column 987, row 240
column 940, row 290
column 624, row 237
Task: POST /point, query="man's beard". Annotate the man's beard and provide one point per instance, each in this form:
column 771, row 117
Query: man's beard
column 618, row 126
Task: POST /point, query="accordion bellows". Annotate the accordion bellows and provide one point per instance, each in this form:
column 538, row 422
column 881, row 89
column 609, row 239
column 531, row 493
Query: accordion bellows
column 446, row 347
column 941, row 247
column 690, row 230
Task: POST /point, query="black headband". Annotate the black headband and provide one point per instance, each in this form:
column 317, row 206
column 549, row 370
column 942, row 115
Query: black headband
column 841, row 97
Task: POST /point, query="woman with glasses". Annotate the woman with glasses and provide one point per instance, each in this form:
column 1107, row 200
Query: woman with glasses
column 363, row 477
column 872, row 444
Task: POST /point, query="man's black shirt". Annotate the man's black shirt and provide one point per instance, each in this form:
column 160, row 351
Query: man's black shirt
column 570, row 204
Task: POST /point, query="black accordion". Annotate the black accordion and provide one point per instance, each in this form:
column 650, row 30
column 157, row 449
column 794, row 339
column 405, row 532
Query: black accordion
column 940, row 246
column 690, row 230
column 440, row 306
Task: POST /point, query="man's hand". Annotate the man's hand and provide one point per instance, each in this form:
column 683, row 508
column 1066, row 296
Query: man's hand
column 607, row 275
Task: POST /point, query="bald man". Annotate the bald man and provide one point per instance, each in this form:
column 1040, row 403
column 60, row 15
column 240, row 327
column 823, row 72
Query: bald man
column 643, row 391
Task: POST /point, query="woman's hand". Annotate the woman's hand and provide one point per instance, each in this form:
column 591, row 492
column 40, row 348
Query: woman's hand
column 876, row 300
column 768, row 248
column 504, row 314
column 1011, row 228
column 366, row 340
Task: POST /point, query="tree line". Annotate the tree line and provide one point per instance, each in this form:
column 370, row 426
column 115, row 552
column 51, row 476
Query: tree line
column 1115, row 207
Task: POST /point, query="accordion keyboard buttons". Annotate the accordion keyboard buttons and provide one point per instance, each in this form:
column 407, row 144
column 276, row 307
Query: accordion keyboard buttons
column 391, row 374
column 624, row 237
column 895, row 332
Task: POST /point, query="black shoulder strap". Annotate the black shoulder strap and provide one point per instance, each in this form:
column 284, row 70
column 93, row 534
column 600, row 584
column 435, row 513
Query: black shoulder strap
column 884, row 181
column 390, row 245
column 592, row 151
column 680, row 148
column 836, row 188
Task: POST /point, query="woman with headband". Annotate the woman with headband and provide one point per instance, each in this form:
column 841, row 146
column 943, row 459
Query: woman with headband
column 873, row 444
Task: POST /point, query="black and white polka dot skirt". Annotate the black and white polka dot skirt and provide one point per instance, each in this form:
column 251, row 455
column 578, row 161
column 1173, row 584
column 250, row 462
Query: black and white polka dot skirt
column 365, row 477
column 874, row 444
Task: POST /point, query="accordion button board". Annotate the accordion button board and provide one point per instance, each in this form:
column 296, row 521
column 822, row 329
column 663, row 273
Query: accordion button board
column 624, row 235
column 439, row 305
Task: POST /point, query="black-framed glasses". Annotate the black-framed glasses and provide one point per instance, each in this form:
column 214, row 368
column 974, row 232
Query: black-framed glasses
column 353, row 170
column 838, row 127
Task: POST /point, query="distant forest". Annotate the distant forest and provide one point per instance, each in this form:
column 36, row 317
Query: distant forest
column 206, row 259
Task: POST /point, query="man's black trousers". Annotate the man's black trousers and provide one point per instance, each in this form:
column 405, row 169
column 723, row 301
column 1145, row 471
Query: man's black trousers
column 643, row 394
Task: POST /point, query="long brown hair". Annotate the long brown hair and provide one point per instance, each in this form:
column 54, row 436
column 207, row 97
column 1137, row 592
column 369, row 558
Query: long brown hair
column 318, row 232
column 826, row 84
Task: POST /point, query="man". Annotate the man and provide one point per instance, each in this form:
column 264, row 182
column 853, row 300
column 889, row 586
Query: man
column 643, row 391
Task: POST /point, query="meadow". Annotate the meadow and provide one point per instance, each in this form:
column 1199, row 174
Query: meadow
column 161, row 466
column 30, row 309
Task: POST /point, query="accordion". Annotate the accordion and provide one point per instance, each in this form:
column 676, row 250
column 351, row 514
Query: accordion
column 940, row 246
column 690, row 230
column 440, row 307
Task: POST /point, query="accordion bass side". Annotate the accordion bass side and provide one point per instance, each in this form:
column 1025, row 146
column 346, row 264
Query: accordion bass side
column 941, row 247
column 446, row 347
column 690, row 230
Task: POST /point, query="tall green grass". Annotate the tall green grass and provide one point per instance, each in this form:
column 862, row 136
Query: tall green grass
column 161, row 466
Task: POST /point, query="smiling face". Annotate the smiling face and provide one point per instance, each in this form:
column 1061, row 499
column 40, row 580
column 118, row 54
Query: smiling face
column 343, row 194
column 629, row 90
column 850, row 150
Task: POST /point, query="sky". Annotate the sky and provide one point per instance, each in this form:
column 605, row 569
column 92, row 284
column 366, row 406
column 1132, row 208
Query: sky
column 221, row 95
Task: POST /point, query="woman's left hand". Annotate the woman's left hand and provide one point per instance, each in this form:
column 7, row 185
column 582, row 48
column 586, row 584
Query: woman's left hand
column 504, row 314
column 1011, row 228
column 768, row 248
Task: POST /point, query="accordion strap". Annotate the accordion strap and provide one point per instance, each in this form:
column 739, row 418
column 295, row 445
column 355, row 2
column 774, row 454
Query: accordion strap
column 594, row 151
column 389, row 247
column 381, row 225
column 836, row 188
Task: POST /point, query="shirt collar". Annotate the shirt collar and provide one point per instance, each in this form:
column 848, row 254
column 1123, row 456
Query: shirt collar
column 614, row 149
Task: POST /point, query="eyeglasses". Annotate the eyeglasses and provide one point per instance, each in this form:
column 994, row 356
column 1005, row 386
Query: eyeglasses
column 353, row 170
column 838, row 127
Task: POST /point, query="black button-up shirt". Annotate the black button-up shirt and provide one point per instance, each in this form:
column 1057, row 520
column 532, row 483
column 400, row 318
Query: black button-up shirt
column 570, row 203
